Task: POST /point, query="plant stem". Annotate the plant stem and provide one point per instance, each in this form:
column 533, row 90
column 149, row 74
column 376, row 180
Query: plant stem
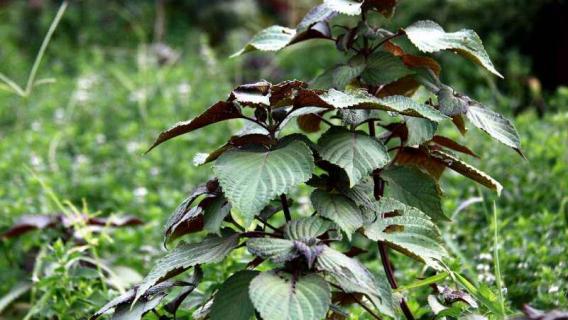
column 378, row 191
column 285, row 207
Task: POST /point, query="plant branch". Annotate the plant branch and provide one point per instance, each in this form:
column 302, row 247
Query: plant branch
column 285, row 207
column 379, row 188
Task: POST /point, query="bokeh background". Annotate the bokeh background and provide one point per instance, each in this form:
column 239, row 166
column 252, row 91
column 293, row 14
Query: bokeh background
column 118, row 72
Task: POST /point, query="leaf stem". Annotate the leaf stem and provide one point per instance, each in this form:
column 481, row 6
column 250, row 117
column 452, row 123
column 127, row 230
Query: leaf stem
column 378, row 191
column 285, row 207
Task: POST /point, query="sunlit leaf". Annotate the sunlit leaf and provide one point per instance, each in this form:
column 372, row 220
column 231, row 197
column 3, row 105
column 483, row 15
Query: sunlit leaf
column 428, row 36
column 494, row 124
column 270, row 39
column 348, row 7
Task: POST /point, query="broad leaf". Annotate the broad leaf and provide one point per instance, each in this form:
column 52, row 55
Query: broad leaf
column 467, row 170
column 419, row 130
column 408, row 230
column 338, row 209
column 318, row 13
column 355, row 152
column 280, row 296
column 495, row 125
column 360, row 99
column 139, row 309
column 353, row 276
column 306, row 228
column 184, row 256
column 450, row 103
column 344, row 74
column 220, row 111
column 270, row 39
column 428, row 36
column 453, row 145
column 277, row 250
column 348, row 7
column 215, row 213
column 383, row 68
column 416, row 189
column 253, row 93
column 232, row 301
column 251, row 177
column 385, row 7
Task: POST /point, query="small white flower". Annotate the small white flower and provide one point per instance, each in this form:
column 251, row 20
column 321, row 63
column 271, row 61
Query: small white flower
column 132, row 146
column 154, row 171
column 36, row 126
column 553, row 289
column 184, row 89
column 35, row 161
column 100, row 138
column 140, row 192
column 81, row 159
column 59, row 114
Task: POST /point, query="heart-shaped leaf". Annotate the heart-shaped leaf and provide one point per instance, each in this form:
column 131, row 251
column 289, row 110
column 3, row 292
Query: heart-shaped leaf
column 232, row 301
column 355, row 152
column 281, row 296
column 251, row 177
column 339, row 209
column 383, row 68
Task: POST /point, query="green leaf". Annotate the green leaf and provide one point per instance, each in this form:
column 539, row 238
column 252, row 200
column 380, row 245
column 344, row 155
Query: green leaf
column 360, row 99
column 306, row 228
column 428, row 36
column 141, row 307
column 419, row 130
column 355, row 152
column 184, row 256
column 409, row 230
column 450, row 103
column 214, row 215
column 251, row 177
column 424, row 282
column 338, row 209
column 280, row 296
column 277, row 250
column 495, row 125
column 353, row 276
column 348, row 7
column 270, row 39
column 383, row 68
column 232, row 301
column 416, row 189
column 318, row 13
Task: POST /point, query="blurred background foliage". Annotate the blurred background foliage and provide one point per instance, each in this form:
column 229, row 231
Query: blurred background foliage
column 127, row 69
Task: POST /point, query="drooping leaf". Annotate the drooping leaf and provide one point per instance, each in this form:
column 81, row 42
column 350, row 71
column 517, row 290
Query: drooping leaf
column 338, row 209
column 450, row 103
column 235, row 141
column 422, row 159
column 355, row 152
column 272, row 38
column 348, row 7
column 277, row 250
column 495, row 125
column 318, row 13
column 419, row 130
column 383, row 68
column 416, row 189
column 453, row 145
column 184, row 256
column 363, row 100
column 362, row 194
column 428, row 36
column 232, row 300
column 306, row 228
column 467, row 170
column 193, row 282
column 139, row 309
column 408, row 230
column 214, row 215
column 280, row 296
column 220, row 111
column 353, row 276
column 250, row 178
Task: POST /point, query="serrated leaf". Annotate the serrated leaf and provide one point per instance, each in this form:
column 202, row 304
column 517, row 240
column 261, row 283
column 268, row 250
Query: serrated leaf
column 277, row 250
column 184, row 256
column 306, row 228
column 253, row 93
column 419, row 130
column 383, row 68
column 420, row 158
column 467, row 170
column 272, row 38
column 348, row 7
column 428, row 36
column 450, row 103
column 494, row 124
column 408, row 230
column 339, row 209
column 232, row 301
column 353, row 276
column 360, row 99
column 344, row 74
column 318, row 13
column 362, row 194
column 416, row 189
column 214, row 214
column 280, row 296
column 141, row 307
column 220, row 111
column 453, row 145
column 250, row 177
column 355, row 152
